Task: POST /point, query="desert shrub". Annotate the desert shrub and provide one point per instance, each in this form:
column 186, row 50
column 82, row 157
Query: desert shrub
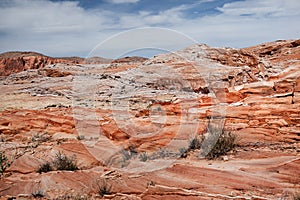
column 195, row 143
column 3, row 162
column 40, row 138
column 163, row 153
column 63, row 162
column 183, row 152
column 103, row 187
column 151, row 183
column 143, row 156
column 128, row 154
column 225, row 143
column 46, row 167
column 80, row 137
column 132, row 150
column 38, row 194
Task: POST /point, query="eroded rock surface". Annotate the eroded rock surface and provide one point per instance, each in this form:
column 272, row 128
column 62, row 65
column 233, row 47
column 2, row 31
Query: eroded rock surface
column 124, row 121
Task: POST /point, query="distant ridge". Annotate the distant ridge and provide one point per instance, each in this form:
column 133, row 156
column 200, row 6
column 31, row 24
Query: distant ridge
column 17, row 61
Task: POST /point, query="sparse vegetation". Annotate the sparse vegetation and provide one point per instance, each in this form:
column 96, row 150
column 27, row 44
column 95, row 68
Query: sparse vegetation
column 40, row 138
column 183, row 152
column 38, row 194
column 132, row 150
column 143, row 156
column 61, row 162
column 3, row 162
column 128, row 154
column 161, row 153
column 225, row 143
column 195, row 143
column 151, row 183
column 80, row 137
column 103, row 188
column 46, row 167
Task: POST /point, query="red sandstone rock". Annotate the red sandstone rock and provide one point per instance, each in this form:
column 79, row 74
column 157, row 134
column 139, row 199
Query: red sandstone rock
column 13, row 62
column 153, row 105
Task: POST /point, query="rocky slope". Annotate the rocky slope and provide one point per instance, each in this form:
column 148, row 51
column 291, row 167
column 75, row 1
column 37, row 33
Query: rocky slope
column 14, row 62
column 125, row 122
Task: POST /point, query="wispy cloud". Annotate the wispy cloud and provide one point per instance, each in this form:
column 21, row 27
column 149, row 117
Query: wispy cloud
column 249, row 22
column 51, row 27
column 65, row 28
column 263, row 8
column 163, row 18
column 37, row 16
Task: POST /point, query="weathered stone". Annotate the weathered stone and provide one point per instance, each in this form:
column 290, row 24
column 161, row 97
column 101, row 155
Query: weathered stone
column 125, row 121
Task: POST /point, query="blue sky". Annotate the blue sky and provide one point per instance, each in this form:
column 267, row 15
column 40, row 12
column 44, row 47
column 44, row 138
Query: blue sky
column 93, row 27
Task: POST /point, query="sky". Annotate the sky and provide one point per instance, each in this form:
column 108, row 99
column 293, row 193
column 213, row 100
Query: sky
column 116, row 28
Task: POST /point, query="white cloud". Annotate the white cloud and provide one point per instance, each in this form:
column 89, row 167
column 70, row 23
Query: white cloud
column 56, row 28
column 45, row 16
column 262, row 8
column 246, row 23
column 123, row 1
column 65, row 28
column 168, row 17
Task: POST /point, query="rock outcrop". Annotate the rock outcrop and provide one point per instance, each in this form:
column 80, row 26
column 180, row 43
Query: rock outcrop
column 14, row 62
column 126, row 121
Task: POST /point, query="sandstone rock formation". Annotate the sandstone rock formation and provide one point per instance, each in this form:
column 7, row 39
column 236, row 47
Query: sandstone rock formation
column 13, row 62
column 126, row 120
